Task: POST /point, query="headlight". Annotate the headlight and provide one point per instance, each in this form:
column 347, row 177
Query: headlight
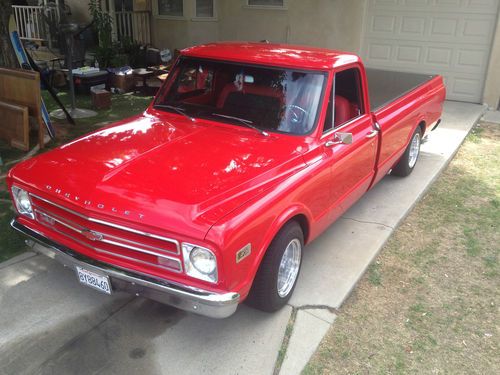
column 22, row 201
column 199, row 262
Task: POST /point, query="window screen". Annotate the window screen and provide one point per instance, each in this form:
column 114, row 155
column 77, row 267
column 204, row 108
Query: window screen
column 204, row 8
column 171, row 8
column 274, row 3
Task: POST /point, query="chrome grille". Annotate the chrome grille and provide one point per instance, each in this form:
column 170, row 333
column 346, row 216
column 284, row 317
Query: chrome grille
column 108, row 238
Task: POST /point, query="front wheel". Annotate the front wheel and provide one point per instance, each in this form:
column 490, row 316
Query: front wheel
column 279, row 270
column 407, row 162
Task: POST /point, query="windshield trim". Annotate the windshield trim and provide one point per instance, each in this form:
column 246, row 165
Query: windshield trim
column 319, row 110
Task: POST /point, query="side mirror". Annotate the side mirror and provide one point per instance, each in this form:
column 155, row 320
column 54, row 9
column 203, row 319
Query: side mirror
column 344, row 138
column 340, row 139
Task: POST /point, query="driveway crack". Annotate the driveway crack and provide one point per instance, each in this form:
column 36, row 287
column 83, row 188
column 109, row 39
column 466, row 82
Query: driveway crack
column 319, row 307
column 286, row 341
column 290, row 326
column 367, row 222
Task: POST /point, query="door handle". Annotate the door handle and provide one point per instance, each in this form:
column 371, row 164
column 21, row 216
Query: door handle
column 331, row 143
column 372, row 134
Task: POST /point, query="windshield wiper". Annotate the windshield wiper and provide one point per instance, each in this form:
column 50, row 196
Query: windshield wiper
column 243, row 121
column 176, row 109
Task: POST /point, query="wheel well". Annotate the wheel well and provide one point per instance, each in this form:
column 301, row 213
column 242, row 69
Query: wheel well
column 422, row 126
column 304, row 225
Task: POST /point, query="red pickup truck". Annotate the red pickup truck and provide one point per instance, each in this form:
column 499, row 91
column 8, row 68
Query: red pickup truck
column 248, row 152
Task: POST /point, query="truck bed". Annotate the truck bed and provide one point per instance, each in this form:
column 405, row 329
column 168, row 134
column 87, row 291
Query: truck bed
column 385, row 86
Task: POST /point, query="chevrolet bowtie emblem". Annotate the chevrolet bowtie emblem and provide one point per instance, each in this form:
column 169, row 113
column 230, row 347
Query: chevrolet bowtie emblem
column 91, row 235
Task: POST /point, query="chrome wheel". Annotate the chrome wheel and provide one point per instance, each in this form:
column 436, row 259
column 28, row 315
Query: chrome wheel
column 414, row 150
column 289, row 267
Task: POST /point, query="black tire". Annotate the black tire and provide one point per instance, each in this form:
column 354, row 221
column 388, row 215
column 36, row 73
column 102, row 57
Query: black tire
column 264, row 293
column 405, row 166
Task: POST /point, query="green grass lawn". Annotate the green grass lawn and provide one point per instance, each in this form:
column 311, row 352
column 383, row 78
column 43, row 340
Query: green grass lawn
column 122, row 106
column 430, row 302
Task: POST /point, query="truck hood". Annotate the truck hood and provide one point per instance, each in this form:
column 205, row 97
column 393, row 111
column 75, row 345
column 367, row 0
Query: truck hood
column 163, row 171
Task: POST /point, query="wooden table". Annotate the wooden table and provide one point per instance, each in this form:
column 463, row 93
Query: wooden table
column 144, row 74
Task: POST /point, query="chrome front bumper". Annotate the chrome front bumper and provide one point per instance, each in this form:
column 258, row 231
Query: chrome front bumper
column 194, row 300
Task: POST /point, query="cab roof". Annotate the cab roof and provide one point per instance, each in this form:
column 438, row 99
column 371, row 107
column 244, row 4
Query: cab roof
column 300, row 57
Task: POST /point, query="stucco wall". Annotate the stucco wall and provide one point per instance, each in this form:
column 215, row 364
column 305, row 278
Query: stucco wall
column 79, row 11
column 333, row 24
column 492, row 84
column 326, row 23
column 182, row 33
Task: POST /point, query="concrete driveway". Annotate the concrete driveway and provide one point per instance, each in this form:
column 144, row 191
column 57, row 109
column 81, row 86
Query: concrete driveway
column 49, row 324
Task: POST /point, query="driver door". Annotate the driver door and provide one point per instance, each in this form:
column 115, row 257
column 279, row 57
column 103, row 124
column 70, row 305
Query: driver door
column 349, row 141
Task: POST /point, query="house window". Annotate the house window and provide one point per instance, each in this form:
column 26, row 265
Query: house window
column 124, row 5
column 172, row 8
column 205, row 8
column 267, row 3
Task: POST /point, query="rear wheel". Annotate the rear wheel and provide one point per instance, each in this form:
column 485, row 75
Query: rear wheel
column 279, row 270
column 407, row 162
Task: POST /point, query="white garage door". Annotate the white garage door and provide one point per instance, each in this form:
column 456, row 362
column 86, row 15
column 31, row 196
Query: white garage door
column 449, row 37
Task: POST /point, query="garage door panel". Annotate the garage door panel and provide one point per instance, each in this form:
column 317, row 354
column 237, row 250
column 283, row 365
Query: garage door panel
column 432, row 57
column 448, row 37
column 439, row 57
column 474, row 28
column 471, row 60
column 444, row 27
column 380, row 52
column 485, row 5
column 414, row 26
column 480, row 28
column 435, row 6
column 390, row 3
column 447, row 3
column 408, row 54
column 464, row 88
column 417, row 3
column 382, row 24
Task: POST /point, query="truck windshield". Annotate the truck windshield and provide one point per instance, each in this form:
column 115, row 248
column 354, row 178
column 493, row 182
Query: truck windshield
column 266, row 98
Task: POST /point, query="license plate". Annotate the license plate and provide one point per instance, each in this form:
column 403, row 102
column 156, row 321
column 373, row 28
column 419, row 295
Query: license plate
column 94, row 280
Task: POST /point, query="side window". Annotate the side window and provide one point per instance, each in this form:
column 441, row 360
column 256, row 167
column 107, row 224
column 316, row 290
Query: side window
column 345, row 101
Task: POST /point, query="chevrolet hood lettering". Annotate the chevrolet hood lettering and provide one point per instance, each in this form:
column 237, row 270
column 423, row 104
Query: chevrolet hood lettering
column 100, row 206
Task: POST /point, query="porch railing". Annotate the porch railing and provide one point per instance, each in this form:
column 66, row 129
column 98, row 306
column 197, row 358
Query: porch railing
column 134, row 25
column 30, row 24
